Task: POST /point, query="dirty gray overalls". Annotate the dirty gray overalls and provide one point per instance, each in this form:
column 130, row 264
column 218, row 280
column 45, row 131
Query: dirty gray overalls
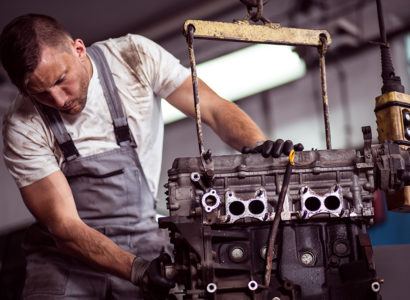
column 112, row 196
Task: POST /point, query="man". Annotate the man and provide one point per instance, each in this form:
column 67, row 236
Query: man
column 83, row 142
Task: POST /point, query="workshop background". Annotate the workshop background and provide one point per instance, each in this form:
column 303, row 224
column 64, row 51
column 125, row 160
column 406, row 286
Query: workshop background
column 289, row 106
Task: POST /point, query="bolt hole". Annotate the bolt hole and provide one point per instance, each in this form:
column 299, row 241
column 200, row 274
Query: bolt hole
column 211, row 288
column 376, row 287
column 252, row 285
column 288, row 285
column 195, row 177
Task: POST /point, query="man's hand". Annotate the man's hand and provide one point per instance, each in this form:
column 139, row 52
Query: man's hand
column 271, row 148
column 151, row 278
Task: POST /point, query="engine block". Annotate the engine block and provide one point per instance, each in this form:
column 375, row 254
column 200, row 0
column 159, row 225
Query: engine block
column 220, row 230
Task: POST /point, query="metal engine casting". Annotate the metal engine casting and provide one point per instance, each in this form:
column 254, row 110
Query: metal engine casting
column 246, row 227
column 220, row 231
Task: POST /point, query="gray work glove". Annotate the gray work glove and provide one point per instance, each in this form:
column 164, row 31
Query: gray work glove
column 273, row 148
column 149, row 275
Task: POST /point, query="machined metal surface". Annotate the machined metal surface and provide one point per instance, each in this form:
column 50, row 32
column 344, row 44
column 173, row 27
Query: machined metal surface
column 237, row 208
column 241, row 179
column 329, row 203
column 210, row 201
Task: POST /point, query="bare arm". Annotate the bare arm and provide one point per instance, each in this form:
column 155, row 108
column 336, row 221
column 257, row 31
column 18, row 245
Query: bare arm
column 226, row 119
column 50, row 200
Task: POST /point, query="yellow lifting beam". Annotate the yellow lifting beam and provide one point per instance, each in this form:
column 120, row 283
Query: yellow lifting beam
column 269, row 33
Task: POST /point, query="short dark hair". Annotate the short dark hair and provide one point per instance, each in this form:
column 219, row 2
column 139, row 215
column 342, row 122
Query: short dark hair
column 21, row 42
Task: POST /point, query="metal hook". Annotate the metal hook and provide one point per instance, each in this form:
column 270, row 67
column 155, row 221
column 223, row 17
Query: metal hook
column 258, row 15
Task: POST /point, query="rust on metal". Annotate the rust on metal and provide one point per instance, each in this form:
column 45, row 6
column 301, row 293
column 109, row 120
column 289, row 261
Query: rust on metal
column 258, row 15
column 190, row 33
column 242, row 31
column 277, row 219
column 322, row 52
column 206, row 157
column 252, row 3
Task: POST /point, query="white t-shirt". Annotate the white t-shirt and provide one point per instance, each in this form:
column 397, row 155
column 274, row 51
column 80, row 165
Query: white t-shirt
column 143, row 72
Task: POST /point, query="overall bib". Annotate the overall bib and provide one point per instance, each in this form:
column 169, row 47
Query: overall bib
column 111, row 195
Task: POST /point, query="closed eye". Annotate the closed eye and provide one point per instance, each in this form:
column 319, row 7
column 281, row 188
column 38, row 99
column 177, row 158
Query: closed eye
column 60, row 80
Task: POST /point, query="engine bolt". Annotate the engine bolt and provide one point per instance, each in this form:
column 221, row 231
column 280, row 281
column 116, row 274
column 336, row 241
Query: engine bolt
column 307, row 258
column 263, row 251
column 237, row 253
column 340, row 248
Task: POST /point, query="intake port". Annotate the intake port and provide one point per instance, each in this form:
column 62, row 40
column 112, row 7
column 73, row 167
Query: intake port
column 332, row 203
column 236, row 208
column 312, row 203
column 210, row 200
column 256, row 207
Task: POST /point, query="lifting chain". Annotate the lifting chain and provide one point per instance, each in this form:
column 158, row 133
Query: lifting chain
column 258, row 15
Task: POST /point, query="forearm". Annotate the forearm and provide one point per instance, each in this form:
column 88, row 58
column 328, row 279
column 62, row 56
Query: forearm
column 50, row 200
column 235, row 127
column 226, row 119
column 93, row 248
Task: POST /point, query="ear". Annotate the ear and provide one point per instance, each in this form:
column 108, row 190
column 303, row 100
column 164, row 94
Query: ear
column 79, row 48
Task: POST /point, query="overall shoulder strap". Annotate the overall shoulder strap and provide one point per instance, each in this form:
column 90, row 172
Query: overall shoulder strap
column 64, row 140
column 121, row 129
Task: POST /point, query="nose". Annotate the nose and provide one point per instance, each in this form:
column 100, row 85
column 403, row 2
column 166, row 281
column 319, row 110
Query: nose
column 59, row 96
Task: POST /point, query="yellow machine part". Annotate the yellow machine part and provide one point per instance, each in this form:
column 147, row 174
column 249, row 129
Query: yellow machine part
column 391, row 111
column 389, row 117
column 270, row 33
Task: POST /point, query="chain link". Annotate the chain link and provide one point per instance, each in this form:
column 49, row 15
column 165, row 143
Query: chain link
column 258, row 15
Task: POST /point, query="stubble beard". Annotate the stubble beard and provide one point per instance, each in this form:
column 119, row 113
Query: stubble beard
column 78, row 104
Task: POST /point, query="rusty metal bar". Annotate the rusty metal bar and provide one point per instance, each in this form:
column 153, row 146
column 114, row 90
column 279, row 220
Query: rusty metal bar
column 206, row 157
column 322, row 51
column 277, row 218
column 190, row 40
column 242, row 31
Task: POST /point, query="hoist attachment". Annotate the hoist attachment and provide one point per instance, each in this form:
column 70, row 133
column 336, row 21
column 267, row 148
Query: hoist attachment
column 243, row 31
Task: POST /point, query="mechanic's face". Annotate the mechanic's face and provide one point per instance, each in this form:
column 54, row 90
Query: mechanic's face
column 61, row 78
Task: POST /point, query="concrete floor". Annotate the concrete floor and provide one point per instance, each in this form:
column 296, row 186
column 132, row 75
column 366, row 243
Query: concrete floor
column 393, row 265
